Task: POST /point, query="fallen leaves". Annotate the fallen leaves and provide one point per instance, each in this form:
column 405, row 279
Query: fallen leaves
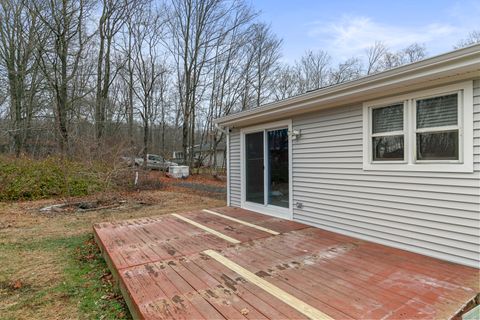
column 12, row 285
column 17, row 284
column 107, row 278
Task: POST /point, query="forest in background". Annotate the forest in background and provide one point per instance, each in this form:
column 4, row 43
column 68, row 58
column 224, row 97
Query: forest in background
column 100, row 79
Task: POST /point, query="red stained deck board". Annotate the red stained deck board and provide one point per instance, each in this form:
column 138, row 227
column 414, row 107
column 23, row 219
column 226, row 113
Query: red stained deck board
column 137, row 243
column 400, row 259
column 376, row 252
column 164, row 275
column 272, row 265
column 270, row 306
column 320, row 296
column 277, row 268
column 367, row 253
column 390, row 282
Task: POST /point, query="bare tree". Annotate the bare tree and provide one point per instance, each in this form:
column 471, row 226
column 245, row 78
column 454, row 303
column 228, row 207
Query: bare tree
column 18, row 45
column 410, row 54
column 413, row 53
column 61, row 53
column 226, row 85
column 114, row 15
column 346, row 71
column 265, row 50
column 375, row 55
column 472, row 38
column 148, row 67
column 313, row 69
column 196, row 28
column 86, row 71
column 127, row 73
column 286, row 83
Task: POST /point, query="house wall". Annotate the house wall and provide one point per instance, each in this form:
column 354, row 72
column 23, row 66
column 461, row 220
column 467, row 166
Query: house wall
column 432, row 213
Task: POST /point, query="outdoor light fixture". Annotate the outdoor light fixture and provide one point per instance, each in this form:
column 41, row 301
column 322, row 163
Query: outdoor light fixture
column 295, row 134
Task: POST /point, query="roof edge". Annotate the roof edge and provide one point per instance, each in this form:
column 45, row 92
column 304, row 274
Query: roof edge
column 432, row 63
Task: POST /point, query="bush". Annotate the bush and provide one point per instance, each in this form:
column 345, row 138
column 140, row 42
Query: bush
column 29, row 179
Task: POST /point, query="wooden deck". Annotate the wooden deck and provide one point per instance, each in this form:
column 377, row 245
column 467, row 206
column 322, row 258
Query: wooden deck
column 202, row 265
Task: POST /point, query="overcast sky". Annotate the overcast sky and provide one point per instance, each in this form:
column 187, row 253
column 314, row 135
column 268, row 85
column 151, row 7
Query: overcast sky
column 345, row 28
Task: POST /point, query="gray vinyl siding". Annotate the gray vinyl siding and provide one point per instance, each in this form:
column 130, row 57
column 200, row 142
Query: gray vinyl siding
column 432, row 213
column 234, row 170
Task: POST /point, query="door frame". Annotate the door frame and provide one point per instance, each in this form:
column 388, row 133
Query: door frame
column 286, row 213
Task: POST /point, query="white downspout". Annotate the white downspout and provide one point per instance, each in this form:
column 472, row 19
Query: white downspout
column 227, row 133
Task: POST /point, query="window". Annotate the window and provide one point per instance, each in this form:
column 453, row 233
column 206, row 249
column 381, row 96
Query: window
column 388, row 133
column 423, row 131
column 437, row 128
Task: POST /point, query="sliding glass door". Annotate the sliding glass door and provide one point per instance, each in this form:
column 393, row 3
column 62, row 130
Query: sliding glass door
column 267, row 169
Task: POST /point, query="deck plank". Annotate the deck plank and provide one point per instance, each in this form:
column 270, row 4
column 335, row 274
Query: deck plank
column 159, row 263
column 276, row 224
column 270, row 306
column 230, row 228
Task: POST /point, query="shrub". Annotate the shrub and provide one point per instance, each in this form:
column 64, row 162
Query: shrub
column 29, row 179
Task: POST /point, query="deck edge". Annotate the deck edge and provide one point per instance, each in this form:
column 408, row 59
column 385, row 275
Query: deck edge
column 132, row 307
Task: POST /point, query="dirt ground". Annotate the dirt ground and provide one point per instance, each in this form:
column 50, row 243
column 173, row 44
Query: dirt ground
column 51, row 269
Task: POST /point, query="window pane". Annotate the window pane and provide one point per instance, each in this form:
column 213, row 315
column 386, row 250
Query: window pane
column 278, row 164
column 437, row 145
column 388, row 119
column 437, row 112
column 388, row 148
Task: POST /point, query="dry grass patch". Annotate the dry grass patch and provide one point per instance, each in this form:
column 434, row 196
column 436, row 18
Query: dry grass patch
column 51, row 268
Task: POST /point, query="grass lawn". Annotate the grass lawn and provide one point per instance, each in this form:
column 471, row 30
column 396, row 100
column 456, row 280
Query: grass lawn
column 50, row 266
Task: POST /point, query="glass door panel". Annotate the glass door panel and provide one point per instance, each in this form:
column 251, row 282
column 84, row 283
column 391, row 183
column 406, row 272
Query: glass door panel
column 278, row 175
column 254, row 149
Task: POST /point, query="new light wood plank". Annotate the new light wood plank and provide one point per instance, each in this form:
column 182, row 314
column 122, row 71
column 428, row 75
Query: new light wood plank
column 275, row 233
column 287, row 298
column 205, row 228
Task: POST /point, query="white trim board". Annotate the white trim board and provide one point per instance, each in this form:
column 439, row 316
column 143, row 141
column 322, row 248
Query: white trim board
column 228, row 167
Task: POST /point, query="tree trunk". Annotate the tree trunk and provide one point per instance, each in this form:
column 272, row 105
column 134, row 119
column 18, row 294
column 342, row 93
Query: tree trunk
column 99, row 102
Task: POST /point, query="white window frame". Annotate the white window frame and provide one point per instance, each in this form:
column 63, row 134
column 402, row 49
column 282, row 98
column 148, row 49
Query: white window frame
column 458, row 127
column 372, row 135
column 410, row 163
column 286, row 213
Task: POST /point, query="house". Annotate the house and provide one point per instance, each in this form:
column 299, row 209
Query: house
column 393, row 158
column 205, row 156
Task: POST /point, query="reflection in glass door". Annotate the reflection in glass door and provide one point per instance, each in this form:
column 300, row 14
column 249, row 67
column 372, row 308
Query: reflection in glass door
column 254, row 167
column 278, row 186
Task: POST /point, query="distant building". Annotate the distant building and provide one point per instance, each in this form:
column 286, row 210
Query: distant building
column 204, row 155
